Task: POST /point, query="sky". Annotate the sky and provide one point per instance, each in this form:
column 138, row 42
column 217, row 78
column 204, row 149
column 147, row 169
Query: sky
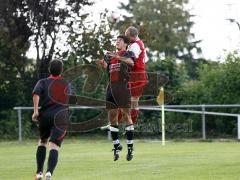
column 218, row 35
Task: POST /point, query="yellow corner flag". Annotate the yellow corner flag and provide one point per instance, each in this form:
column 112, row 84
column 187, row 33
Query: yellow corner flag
column 160, row 101
column 160, row 97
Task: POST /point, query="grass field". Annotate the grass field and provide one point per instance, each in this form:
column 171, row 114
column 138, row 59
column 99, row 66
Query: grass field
column 92, row 159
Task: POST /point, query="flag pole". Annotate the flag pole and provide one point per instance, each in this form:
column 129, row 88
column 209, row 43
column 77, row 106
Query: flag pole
column 160, row 100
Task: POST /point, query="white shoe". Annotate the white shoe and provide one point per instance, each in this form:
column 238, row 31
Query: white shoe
column 38, row 176
column 48, row 176
column 107, row 127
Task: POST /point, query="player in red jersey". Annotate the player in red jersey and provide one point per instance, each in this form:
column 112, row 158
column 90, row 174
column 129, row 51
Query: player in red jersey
column 138, row 79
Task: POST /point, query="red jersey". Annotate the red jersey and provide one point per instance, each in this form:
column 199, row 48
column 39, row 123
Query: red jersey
column 138, row 74
column 140, row 61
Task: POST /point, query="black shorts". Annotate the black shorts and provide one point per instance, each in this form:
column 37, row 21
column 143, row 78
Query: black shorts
column 53, row 125
column 118, row 96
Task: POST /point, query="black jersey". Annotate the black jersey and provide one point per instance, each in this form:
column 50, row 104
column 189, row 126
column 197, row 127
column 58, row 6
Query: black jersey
column 119, row 71
column 54, row 93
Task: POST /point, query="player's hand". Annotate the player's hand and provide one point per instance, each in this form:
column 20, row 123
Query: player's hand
column 111, row 54
column 35, row 116
column 101, row 62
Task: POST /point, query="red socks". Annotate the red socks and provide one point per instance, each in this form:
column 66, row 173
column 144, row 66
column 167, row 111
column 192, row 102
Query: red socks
column 134, row 115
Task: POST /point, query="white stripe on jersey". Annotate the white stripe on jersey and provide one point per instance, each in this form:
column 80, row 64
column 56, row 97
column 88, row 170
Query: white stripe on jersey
column 134, row 47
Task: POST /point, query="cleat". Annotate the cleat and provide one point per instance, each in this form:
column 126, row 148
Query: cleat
column 107, row 127
column 48, row 176
column 38, row 176
column 116, row 152
column 129, row 154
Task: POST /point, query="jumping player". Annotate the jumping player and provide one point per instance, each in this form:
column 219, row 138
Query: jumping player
column 118, row 97
column 138, row 79
column 53, row 117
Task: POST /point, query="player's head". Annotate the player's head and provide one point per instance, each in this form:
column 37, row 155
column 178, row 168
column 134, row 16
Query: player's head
column 132, row 33
column 122, row 42
column 55, row 67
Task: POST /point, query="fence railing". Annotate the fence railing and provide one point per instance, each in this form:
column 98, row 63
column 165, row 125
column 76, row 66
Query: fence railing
column 168, row 108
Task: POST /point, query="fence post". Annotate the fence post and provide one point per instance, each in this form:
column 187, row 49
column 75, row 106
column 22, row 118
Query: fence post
column 20, row 125
column 238, row 125
column 109, row 135
column 203, row 122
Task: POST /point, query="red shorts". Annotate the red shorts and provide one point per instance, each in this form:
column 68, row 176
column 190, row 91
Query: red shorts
column 136, row 89
column 138, row 80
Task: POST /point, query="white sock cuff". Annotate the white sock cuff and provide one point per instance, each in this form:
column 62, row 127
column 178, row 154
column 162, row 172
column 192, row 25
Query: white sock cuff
column 113, row 129
column 116, row 141
column 129, row 141
column 129, row 128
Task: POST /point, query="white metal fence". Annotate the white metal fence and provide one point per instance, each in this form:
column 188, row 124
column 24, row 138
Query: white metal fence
column 168, row 108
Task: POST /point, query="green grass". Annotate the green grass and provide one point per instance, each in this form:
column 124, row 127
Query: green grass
column 92, row 159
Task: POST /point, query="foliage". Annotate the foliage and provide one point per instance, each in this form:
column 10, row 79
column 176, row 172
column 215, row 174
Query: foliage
column 165, row 27
column 44, row 21
column 218, row 83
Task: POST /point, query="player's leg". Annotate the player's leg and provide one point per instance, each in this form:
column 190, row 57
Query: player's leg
column 134, row 108
column 129, row 133
column 120, row 116
column 112, row 116
column 52, row 159
column 44, row 131
column 55, row 141
column 58, row 132
column 137, row 85
column 40, row 157
column 136, row 91
column 119, row 119
column 110, row 104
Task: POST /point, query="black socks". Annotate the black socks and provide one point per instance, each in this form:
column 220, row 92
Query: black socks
column 115, row 137
column 52, row 160
column 40, row 156
column 129, row 135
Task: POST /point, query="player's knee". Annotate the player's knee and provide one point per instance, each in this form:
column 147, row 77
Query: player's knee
column 129, row 121
column 112, row 115
column 53, row 145
column 134, row 98
column 134, row 101
column 43, row 142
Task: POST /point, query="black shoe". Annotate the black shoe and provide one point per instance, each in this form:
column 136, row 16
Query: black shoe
column 129, row 154
column 116, row 152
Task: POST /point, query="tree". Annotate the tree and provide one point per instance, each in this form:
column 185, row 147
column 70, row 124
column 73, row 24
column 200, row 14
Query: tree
column 218, row 83
column 165, row 27
column 45, row 20
column 89, row 40
column 15, row 67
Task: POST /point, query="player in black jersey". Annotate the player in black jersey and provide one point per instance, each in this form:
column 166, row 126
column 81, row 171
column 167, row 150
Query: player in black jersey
column 52, row 94
column 119, row 65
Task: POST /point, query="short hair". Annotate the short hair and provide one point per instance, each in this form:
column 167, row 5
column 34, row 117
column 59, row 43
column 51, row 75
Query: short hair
column 56, row 67
column 125, row 39
column 133, row 32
